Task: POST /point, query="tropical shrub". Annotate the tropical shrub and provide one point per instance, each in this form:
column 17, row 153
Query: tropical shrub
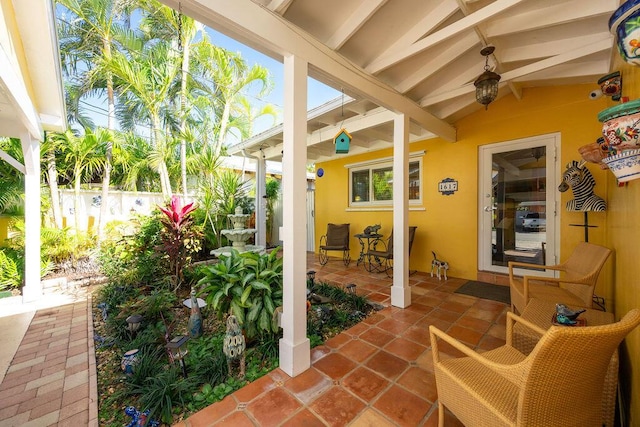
column 128, row 255
column 10, row 276
column 247, row 285
column 180, row 239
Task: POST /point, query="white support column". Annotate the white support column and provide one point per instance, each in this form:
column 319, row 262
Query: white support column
column 295, row 350
column 400, row 290
column 32, row 290
column 261, row 202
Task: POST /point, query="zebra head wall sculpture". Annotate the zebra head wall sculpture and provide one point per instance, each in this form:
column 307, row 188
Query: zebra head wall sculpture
column 579, row 179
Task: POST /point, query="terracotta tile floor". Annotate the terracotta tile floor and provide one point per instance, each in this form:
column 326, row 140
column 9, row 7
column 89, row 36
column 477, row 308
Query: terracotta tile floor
column 379, row 372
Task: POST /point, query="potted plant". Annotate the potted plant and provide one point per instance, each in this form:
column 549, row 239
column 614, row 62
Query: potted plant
column 621, row 131
column 625, row 25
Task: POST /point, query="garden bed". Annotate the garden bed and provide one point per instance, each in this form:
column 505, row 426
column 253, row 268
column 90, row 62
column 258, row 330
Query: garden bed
column 158, row 385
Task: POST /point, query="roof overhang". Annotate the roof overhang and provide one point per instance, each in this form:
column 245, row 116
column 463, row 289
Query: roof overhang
column 31, row 89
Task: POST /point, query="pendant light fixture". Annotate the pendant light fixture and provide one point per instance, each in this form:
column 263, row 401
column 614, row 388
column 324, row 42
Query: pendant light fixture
column 487, row 83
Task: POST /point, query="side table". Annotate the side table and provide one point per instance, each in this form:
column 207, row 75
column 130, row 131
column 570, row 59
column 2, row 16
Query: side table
column 540, row 312
column 361, row 239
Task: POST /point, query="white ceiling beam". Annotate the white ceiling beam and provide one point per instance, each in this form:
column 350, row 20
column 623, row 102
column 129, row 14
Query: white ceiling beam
column 379, row 135
column 550, row 14
column 453, row 106
column 279, row 6
column 13, row 162
column 373, row 118
column 466, row 23
column 528, row 52
column 354, row 22
column 572, row 70
column 261, row 29
column 579, row 52
column 438, row 61
column 430, row 21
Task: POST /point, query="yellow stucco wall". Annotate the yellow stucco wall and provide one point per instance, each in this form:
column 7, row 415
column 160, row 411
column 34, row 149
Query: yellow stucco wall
column 448, row 224
column 4, row 230
column 623, row 235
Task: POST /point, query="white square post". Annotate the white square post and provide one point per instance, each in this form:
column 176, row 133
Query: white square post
column 400, row 290
column 295, row 349
column 32, row 289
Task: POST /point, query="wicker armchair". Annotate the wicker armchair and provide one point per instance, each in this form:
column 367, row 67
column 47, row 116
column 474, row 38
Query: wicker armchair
column 555, row 385
column 336, row 239
column 380, row 254
column 576, row 286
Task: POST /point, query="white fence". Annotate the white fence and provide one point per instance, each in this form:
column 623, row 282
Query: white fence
column 121, row 205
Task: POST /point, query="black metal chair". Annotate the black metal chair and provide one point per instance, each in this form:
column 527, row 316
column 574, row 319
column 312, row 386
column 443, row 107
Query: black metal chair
column 336, row 239
column 380, row 254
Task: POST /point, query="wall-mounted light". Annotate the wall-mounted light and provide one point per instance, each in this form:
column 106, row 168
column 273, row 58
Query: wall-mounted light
column 487, row 83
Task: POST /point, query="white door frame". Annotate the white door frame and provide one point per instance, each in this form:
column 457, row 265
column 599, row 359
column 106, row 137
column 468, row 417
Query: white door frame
column 485, row 152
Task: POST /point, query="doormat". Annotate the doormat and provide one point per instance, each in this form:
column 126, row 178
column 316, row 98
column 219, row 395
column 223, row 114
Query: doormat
column 486, row 291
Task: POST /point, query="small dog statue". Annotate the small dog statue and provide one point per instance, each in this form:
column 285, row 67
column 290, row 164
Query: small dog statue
column 439, row 266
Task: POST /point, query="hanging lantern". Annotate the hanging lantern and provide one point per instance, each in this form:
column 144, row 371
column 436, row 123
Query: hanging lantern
column 487, row 83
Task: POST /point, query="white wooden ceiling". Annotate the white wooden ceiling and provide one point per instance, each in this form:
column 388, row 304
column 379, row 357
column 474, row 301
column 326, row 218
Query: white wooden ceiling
column 414, row 56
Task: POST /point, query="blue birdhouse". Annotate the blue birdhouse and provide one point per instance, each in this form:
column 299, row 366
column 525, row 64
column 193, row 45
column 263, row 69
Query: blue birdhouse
column 342, row 141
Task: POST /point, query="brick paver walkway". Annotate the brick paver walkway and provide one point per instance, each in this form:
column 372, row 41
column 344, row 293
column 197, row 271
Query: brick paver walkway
column 52, row 378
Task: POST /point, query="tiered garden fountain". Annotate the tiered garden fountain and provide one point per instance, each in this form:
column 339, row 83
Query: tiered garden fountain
column 238, row 236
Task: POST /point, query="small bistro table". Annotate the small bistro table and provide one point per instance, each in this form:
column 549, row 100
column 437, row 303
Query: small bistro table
column 540, row 313
column 361, row 239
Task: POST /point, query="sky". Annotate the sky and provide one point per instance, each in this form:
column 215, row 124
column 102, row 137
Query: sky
column 318, row 93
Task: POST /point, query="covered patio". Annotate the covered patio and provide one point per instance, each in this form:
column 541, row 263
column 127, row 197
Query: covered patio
column 379, row 372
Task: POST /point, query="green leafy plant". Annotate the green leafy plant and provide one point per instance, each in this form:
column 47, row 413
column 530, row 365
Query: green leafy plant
column 180, row 238
column 247, row 285
column 10, row 277
column 163, row 392
column 128, row 253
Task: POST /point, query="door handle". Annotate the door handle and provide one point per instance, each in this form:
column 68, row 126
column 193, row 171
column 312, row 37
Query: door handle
column 488, row 208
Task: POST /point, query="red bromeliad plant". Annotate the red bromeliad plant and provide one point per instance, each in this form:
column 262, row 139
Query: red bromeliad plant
column 180, row 237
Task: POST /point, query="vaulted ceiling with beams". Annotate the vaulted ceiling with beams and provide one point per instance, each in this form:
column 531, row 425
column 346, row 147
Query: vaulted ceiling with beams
column 426, row 52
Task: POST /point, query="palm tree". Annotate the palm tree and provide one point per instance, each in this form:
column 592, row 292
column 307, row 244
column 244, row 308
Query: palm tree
column 145, row 81
column 132, row 166
column 229, row 75
column 11, row 180
column 88, row 37
column 84, row 154
column 165, row 23
column 49, row 147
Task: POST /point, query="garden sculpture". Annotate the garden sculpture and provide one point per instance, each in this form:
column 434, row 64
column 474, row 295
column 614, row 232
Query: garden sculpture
column 234, row 344
column 579, row 179
column 195, row 320
column 562, row 309
column 439, row 266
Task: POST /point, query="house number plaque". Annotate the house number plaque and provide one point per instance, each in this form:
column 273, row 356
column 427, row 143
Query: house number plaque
column 448, row 186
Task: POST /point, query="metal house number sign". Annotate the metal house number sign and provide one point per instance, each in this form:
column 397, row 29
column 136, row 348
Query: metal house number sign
column 448, row 186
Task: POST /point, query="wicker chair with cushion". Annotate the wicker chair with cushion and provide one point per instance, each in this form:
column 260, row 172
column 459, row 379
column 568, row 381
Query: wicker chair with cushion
column 579, row 275
column 380, row 254
column 336, row 239
column 555, row 385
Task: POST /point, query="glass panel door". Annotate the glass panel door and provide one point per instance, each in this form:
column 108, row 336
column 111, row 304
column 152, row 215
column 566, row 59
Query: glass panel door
column 517, row 203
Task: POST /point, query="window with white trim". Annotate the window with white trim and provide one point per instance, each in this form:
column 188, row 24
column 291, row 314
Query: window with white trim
column 371, row 184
